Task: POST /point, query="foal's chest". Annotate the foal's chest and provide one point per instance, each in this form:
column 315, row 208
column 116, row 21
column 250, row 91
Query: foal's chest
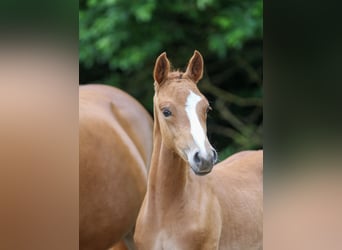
column 183, row 235
column 165, row 241
column 195, row 226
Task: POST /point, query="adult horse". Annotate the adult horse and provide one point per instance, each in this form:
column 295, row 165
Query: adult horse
column 115, row 138
column 188, row 204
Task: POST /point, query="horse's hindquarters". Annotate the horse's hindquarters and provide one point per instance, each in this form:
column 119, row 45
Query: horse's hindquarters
column 112, row 185
column 115, row 147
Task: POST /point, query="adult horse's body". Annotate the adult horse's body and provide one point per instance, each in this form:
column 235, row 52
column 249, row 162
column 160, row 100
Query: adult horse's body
column 182, row 209
column 115, row 150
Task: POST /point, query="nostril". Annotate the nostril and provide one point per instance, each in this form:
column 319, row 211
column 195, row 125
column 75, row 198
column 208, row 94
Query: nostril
column 197, row 159
column 214, row 156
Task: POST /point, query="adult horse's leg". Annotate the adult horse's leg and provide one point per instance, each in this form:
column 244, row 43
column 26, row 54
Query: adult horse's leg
column 126, row 244
column 128, row 239
column 119, row 246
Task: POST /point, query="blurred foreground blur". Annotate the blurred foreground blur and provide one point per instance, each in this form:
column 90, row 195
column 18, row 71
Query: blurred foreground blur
column 38, row 145
column 303, row 211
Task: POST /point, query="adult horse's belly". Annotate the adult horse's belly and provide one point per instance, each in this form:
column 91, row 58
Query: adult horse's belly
column 114, row 155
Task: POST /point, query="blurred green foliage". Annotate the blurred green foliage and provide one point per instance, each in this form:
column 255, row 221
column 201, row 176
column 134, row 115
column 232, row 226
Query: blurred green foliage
column 120, row 40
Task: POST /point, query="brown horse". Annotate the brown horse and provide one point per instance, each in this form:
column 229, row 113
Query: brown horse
column 115, row 150
column 183, row 209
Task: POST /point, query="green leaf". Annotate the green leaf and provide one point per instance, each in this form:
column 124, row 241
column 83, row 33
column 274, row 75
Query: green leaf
column 202, row 4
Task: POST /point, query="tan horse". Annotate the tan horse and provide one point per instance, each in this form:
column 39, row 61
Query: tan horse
column 183, row 209
column 115, row 149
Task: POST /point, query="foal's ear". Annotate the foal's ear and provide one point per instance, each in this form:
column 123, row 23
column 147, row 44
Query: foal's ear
column 195, row 67
column 161, row 68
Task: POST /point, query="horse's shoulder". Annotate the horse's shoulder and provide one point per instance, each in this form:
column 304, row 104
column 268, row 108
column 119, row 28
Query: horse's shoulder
column 115, row 102
column 119, row 114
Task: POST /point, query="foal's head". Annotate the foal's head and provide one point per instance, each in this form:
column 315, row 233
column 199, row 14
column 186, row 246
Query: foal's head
column 181, row 112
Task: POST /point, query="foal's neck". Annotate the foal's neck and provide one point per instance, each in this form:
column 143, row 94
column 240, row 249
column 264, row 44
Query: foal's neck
column 168, row 173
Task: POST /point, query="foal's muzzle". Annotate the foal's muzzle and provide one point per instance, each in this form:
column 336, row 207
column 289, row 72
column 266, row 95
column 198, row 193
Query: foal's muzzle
column 203, row 165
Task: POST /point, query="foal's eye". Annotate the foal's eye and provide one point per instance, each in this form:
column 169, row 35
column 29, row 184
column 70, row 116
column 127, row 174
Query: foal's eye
column 166, row 112
column 208, row 109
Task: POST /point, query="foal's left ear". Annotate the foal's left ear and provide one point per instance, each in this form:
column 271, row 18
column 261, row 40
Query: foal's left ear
column 195, row 67
column 161, row 69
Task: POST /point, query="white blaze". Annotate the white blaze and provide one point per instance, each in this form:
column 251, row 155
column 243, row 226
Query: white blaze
column 196, row 129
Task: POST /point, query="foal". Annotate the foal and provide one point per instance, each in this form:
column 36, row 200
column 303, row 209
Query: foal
column 182, row 208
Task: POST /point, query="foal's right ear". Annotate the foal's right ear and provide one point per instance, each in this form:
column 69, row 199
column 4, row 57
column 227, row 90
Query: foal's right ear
column 161, row 69
column 195, row 67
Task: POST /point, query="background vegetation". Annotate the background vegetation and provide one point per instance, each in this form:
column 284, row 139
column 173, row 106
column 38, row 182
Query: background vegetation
column 120, row 40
